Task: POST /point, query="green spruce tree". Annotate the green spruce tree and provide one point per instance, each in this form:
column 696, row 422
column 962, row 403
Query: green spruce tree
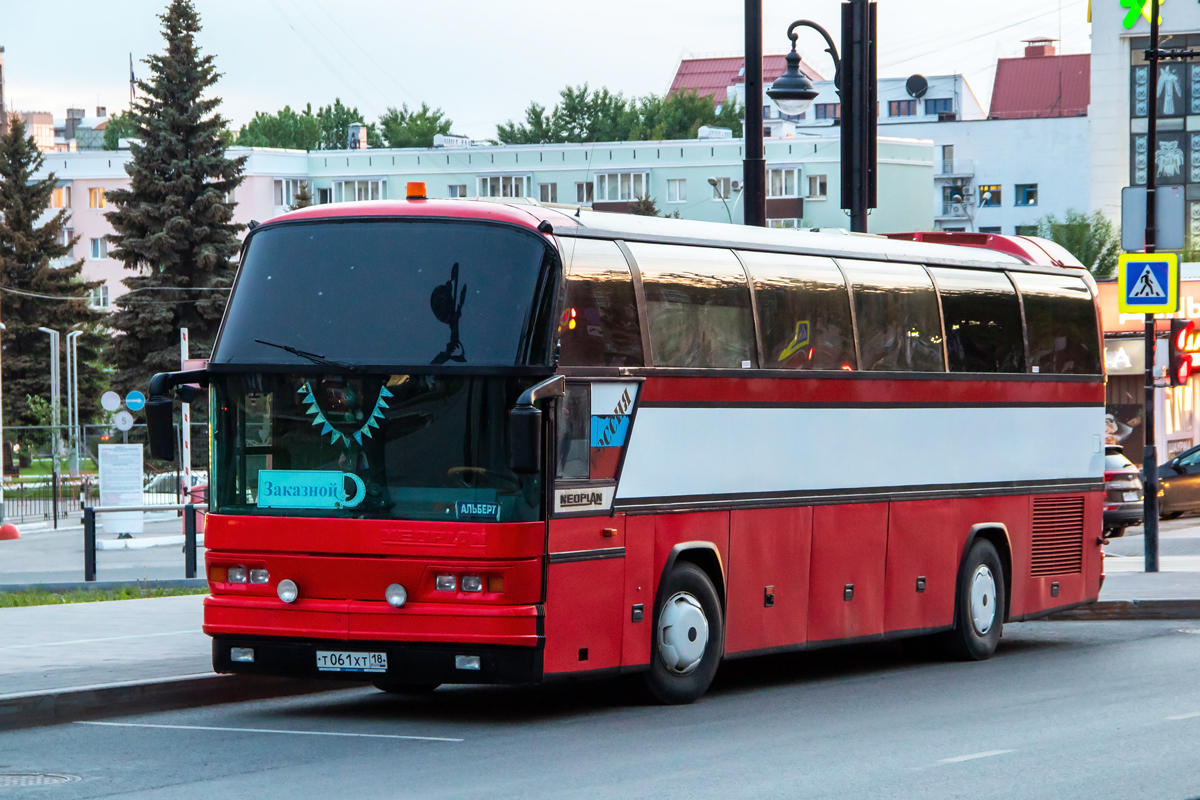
column 302, row 198
column 174, row 224
column 35, row 275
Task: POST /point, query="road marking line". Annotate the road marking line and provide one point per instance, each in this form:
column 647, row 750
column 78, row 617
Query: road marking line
column 973, row 756
column 271, row 730
column 1186, row 716
column 92, row 641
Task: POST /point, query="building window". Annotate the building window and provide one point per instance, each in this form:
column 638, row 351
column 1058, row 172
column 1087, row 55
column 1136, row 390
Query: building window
column 828, row 110
column 992, row 229
column 1026, row 230
column 548, row 192
column 100, row 248
column 902, row 108
column 96, row 198
column 947, row 159
column 584, row 193
column 943, row 105
column 61, row 197
column 285, row 191
column 355, row 191
column 817, row 186
column 504, row 186
column 456, row 190
column 989, row 196
column 677, row 190
column 767, row 112
column 324, row 196
column 782, row 182
column 98, row 297
column 721, row 190
column 616, row 186
column 1026, row 194
column 783, row 223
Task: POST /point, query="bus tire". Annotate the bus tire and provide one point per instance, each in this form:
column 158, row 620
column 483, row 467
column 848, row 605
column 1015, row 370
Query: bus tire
column 405, row 688
column 981, row 604
column 688, row 637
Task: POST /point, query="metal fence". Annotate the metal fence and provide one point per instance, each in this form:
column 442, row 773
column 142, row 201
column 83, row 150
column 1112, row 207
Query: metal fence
column 32, row 492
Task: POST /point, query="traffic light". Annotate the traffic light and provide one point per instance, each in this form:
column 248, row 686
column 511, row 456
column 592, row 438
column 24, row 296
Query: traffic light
column 1179, row 361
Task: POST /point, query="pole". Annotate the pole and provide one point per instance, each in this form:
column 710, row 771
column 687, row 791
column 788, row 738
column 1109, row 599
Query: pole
column 3, row 453
column 1150, row 454
column 185, row 451
column 189, row 541
column 89, row 543
column 55, row 391
column 73, row 400
column 754, row 165
column 859, row 119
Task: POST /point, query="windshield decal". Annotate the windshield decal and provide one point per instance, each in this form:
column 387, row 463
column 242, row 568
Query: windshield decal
column 285, row 488
column 471, row 509
column 442, row 301
column 311, row 399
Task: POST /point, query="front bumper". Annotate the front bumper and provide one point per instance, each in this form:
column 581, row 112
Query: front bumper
column 408, row 662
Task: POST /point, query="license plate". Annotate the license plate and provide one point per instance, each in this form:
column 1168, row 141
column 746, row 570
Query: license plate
column 347, row 661
column 1130, row 497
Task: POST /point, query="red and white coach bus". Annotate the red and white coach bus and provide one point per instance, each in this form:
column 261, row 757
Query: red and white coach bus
column 474, row 442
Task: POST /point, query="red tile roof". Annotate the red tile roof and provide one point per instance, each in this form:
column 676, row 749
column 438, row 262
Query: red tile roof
column 712, row 76
column 1041, row 86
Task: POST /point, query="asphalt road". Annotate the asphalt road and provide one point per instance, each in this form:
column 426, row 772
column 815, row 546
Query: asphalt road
column 1065, row 710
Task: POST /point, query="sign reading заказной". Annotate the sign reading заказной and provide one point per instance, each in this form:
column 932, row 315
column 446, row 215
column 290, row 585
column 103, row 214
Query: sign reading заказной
column 285, row 488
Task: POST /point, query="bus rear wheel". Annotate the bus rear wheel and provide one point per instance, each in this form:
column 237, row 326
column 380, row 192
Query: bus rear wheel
column 689, row 634
column 980, row 617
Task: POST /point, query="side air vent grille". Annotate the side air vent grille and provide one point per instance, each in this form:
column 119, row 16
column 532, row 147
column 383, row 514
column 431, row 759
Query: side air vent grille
column 1057, row 536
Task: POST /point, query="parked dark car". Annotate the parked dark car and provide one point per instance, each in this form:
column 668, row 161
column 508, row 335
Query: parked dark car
column 1122, row 492
column 1179, row 484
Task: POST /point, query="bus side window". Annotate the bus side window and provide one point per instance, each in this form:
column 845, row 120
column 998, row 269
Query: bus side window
column 698, row 304
column 896, row 316
column 574, row 433
column 1060, row 319
column 803, row 311
column 982, row 320
column 599, row 326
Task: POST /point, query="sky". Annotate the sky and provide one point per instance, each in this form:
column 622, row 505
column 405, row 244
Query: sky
column 481, row 61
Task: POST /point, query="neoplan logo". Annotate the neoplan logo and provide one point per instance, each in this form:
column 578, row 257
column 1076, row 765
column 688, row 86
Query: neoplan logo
column 580, row 499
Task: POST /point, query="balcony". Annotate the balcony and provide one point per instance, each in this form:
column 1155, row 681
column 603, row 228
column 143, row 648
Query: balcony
column 956, row 168
column 953, row 210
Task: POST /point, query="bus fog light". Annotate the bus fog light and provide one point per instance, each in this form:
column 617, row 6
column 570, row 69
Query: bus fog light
column 472, row 583
column 287, row 591
column 260, row 576
column 396, row 595
column 237, row 575
column 495, row 583
column 242, row 655
column 466, row 662
column 446, row 583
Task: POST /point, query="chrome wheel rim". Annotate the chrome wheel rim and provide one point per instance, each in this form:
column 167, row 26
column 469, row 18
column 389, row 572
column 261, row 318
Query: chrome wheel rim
column 682, row 633
column 983, row 599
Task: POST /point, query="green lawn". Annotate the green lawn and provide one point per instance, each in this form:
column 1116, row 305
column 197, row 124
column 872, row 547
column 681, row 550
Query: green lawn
column 45, row 466
column 38, row 597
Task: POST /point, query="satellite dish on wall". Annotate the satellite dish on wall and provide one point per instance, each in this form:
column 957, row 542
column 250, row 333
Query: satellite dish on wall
column 916, row 86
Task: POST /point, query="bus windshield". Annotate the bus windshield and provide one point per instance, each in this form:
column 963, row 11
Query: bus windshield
column 390, row 293
column 416, row 447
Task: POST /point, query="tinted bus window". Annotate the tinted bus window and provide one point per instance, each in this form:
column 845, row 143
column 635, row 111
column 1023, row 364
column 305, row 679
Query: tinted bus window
column 392, row 293
column 803, row 311
column 1061, row 322
column 896, row 313
column 600, row 323
column 982, row 319
column 698, row 305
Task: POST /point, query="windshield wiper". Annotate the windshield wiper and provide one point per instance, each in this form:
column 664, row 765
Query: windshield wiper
column 315, row 358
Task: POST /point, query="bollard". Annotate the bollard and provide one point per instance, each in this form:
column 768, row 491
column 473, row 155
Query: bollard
column 89, row 543
column 189, row 541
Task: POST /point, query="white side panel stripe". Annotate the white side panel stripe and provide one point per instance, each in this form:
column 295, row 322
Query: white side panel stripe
column 705, row 451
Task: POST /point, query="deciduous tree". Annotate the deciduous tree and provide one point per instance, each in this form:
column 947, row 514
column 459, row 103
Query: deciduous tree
column 403, row 128
column 1092, row 239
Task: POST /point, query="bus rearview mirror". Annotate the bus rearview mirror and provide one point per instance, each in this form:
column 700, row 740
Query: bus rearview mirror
column 160, row 427
column 525, row 439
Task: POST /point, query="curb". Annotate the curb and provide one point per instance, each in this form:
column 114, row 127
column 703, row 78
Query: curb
column 170, row 583
column 56, row 706
column 1115, row 610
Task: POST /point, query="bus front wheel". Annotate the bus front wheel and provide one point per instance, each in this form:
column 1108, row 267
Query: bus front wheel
column 688, row 636
column 980, row 604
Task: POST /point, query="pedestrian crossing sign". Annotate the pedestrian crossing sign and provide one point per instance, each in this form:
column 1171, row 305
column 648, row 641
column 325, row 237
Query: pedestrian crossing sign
column 1148, row 283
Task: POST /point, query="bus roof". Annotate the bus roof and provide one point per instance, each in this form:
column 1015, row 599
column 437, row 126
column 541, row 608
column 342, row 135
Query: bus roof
column 927, row 248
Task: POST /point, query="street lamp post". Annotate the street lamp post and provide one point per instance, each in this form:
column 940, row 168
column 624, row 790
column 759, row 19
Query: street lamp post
column 54, row 418
column 73, row 400
column 855, row 73
column 2, row 452
column 713, row 182
column 754, row 165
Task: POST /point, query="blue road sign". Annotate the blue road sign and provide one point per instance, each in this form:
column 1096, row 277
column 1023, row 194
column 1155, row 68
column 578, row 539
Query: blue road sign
column 1148, row 282
column 135, row 400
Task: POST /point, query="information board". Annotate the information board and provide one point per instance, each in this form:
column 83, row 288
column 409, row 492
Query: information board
column 121, row 485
